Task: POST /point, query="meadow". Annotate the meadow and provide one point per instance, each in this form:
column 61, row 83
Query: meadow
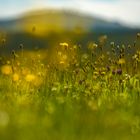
column 67, row 92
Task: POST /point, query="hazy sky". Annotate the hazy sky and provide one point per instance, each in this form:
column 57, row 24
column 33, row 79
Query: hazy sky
column 126, row 11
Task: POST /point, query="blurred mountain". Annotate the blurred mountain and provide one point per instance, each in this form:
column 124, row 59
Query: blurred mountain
column 47, row 28
column 46, row 21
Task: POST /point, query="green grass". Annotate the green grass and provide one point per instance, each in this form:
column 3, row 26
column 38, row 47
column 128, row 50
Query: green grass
column 67, row 93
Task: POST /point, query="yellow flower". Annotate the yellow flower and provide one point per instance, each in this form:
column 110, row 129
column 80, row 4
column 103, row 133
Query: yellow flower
column 121, row 61
column 96, row 73
column 65, row 45
column 8, row 62
column 15, row 77
column 30, row 77
column 103, row 73
column 6, row 69
column 62, row 62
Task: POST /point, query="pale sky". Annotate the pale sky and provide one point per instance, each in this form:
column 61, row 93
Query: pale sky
column 126, row 11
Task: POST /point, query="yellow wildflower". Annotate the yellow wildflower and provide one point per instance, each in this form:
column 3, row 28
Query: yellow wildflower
column 62, row 62
column 121, row 61
column 6, row 69
column 103, row 73
column 8, row 62
column 15, row 77
column 96, row 73
column 30, row 77
column 65, row 45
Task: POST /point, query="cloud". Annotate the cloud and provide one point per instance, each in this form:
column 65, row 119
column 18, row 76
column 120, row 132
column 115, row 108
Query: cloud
column 126, row 11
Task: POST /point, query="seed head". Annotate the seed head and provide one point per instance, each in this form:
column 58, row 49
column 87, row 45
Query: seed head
column 112, row 44
column 113, row 72
column 3, row 41
column 138, row 35
column 21, row 46
column 108, row 68
column 119, row 71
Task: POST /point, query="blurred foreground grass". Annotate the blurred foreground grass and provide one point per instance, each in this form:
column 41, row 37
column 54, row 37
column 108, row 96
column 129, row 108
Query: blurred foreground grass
column 70, row 93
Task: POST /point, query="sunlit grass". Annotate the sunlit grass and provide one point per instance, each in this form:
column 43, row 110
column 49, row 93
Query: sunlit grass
column 71, row 93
